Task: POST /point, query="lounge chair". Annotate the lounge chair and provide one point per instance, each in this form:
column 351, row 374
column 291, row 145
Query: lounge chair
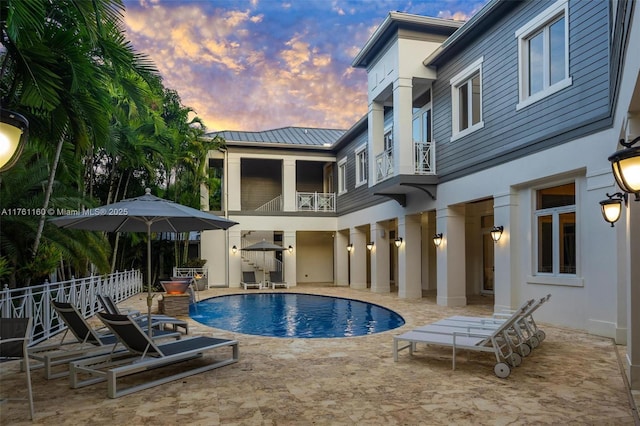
column 526, row 325
column 15, row 334
column 146, row 355
column 88, row 342
column 157, row 320
column 275, row 280
column 497, row 341
column 249, row 280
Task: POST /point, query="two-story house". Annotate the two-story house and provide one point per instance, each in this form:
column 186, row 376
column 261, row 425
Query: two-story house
column 478, row 169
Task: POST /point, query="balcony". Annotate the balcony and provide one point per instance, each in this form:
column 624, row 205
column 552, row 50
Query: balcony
column 315, row 202
column 384, row 165
column 424, row 158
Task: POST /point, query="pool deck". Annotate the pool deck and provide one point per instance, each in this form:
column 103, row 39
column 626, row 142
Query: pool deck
column 572, row 378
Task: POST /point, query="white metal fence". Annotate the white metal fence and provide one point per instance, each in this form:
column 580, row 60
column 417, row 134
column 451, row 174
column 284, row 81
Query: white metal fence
column 35, row 301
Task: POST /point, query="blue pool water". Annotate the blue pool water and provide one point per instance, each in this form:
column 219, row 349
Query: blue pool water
column 294, row 315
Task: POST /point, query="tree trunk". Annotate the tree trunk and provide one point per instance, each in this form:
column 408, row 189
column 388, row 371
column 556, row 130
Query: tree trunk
column 47, row 194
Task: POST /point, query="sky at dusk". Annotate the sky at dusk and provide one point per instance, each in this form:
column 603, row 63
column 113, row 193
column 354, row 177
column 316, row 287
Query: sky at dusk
column 263, row 64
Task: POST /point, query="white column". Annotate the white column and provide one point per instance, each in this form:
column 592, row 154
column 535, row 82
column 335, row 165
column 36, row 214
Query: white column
column 289, row 184
column 233, row 184
column 375, row 124
column 235, row 259
column 380, row 259
column 341, row 259
column 633, row 301
column 402, row 126
column 451, row 257
column 505, row 214
column 409, row 271
column 358, row 256
column 289, row 259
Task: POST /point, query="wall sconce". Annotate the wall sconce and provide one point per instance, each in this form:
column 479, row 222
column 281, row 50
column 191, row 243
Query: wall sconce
column 398, row 242
column 370, row 245
column 349, row 247
column 234, row 249
column 290, row 249
column 14, row 131
column 612, row 207
column 496, row 233
column 626, row 167
column 437, row 239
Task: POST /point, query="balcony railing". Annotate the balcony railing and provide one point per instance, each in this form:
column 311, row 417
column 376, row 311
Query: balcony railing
column 316, row 201
column 424, row 157
column 384, row 165
column 274, row 205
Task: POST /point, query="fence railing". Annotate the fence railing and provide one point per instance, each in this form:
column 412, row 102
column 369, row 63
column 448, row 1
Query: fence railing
column 316, row 201
column 384, row 165
column 274, row 205
column 35, row 301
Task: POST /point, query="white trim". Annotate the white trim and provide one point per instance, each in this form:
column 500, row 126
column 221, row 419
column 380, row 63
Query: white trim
column 359, row 150
column 456, row 82
column 342, row 180
column 559, row 9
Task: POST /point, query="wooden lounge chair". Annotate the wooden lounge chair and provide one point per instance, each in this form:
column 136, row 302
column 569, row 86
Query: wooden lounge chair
column 249, row 280
column 157, row 320
column 88, row 342
column 15, row 334
column 497, row 341
column 275, row 280
column 146, row 355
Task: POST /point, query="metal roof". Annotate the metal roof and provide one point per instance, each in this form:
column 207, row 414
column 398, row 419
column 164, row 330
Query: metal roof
column 297, row 136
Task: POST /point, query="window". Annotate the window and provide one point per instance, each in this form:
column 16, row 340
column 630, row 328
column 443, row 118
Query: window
column 388, row 139
column 466, row 100
column 342, row 176
column 362, row 166
column 543, row 54
column 556, row 230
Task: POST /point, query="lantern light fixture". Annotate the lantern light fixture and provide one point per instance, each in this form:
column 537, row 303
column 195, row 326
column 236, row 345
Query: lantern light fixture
column 398, row 242
column 370, row 245
column 349, row 247
column 234, row 249
column 626, row 167
column 437, row 239
column 14, row 131
column 612, row 207
column 496, row 233
column 290, row 248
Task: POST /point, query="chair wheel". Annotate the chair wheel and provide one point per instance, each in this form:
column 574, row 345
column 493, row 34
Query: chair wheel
column 534, row 342
column 502, row 370
column 541, row 335
column 514, row 359
column 524, row 349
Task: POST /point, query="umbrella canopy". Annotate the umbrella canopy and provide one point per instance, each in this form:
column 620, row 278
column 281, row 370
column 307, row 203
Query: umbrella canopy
column 263, row 246
column 146, row 213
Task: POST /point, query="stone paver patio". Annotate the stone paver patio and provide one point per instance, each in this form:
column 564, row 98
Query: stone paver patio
column 572, row 378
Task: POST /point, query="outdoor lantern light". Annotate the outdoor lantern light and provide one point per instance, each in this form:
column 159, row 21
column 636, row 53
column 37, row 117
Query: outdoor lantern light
column 290, row 249
column 398, row 242
column 370, row 245
column 234, row 249
column 349, row 247
column 612, row 207
column 14, row 130
column 437, row 239
column 626, row 167
column 496, row 233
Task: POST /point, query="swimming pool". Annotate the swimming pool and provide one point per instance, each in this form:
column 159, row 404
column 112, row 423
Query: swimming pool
column 294, row 315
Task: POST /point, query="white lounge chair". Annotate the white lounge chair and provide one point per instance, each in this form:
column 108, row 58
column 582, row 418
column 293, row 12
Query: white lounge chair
column 88, row 342
column 275, row 280
column 497, row 341
column 249, row 280
column 157, row 320
column 145, row 355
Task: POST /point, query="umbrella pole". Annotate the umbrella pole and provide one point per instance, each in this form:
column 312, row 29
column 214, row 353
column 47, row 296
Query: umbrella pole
column 149, row 294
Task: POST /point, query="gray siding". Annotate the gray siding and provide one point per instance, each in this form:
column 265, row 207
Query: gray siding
column 508, row 133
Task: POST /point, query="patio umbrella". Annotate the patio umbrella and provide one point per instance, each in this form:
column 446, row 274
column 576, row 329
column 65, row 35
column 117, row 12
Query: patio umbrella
column 146, row 213
column 263, row 246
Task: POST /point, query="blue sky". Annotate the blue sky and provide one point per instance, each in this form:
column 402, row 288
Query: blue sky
column 263, row 64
